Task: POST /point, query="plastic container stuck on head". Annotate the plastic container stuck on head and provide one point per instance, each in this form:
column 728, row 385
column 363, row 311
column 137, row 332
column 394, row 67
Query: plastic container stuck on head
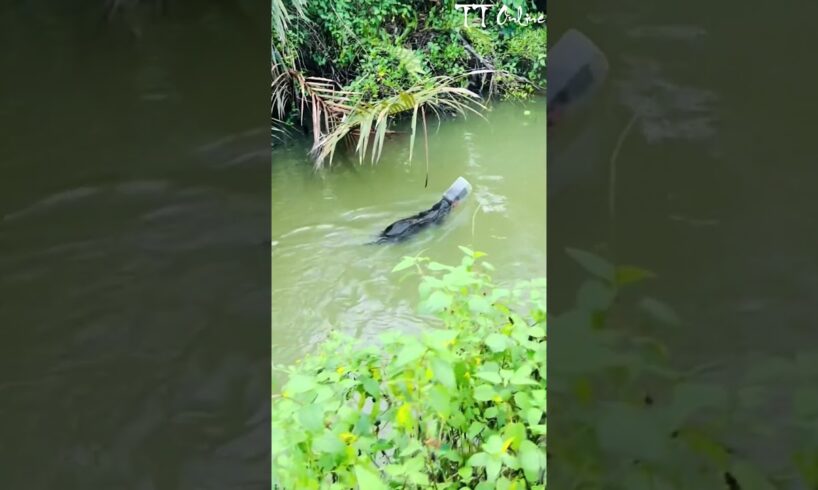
column 458, row 191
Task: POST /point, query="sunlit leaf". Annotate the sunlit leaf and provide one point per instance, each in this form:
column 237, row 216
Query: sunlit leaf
column 368, row 480
column 496, row 342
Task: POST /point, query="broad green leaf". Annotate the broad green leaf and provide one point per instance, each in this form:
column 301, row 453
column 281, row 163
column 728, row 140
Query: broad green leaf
column 593, row 263
column 440, row 401
column 522, row 376
column 479, row 304
column 515, row 432
column 531, row 459
column 494, row 444
column 299, row 383
column 439, row 338
column 409, row 353
column 633, row 431
column 493, row 467
column 436, row 266
column 626, row 274
column 496, row 342
column 311, row 417
column 478, row 460
column 474, row 429
column 371, row 386
column 492, row 377
column 660, row 311
column 595, row 295
column 437, row 302
column 444, row 373
column 484, row 393
column 330, row 443
column 689, row 398
column 749, row 477
column 405, row 263
column 368, row 480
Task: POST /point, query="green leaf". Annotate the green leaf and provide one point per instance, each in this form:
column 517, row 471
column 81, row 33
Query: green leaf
column 410, row 353
column 299, row 383
column 593, row 263
column 479, row 304
column 478, row 460
column 749, row 477
column 516, row 432
column 490, row 376
column 474, row 429
column 329, row 443
column 440, row 401
column 466, row 251
column 493, row 467
column 484, row 393
column 531, row 460
column 522, row 376
column 438, row 338
column 436, row 266
column 595, row 295
column 371, row 386
column 633, row 431
column 627, row 274
column 406, row 263
column 367, row 480
column 496, row 342
column 444, row 373
column 437, row 302
column 660, row 311
column 311, row 417
column 494, row 444
column 689, row 398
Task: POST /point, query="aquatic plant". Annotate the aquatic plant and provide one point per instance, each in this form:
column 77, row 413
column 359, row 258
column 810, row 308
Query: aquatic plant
column 461, row 405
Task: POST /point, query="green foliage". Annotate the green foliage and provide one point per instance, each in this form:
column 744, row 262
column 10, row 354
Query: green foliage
column 461, row 405
column 376, row 50
column 630, row 419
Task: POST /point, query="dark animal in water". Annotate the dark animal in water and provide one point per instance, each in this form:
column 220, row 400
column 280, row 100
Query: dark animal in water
column 402, row 229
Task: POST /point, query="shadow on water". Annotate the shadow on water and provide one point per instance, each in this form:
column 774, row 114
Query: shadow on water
column 132, row 229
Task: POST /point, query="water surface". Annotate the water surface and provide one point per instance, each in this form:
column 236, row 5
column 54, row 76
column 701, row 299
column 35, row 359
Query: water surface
column 326, row 276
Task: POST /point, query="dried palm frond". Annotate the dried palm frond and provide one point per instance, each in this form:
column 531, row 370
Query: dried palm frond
column 372, row 119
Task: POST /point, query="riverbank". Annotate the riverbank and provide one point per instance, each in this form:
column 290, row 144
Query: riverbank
column 340, row 75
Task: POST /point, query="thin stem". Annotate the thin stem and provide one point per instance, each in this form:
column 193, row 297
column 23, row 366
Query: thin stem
column 612, row 184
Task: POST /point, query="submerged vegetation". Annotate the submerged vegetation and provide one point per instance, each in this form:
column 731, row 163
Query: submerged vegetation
column 345, row 71
column 462, row 405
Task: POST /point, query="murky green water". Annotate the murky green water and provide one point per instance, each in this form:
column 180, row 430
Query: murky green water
column 707, row 196
column 326, row 276
column 132, row 231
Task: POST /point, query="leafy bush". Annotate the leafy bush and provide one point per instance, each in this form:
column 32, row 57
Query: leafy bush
column 630, row 418
column 332, row 59
column 462, row 405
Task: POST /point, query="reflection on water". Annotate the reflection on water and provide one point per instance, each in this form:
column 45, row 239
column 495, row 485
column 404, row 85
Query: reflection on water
column 327, row 276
